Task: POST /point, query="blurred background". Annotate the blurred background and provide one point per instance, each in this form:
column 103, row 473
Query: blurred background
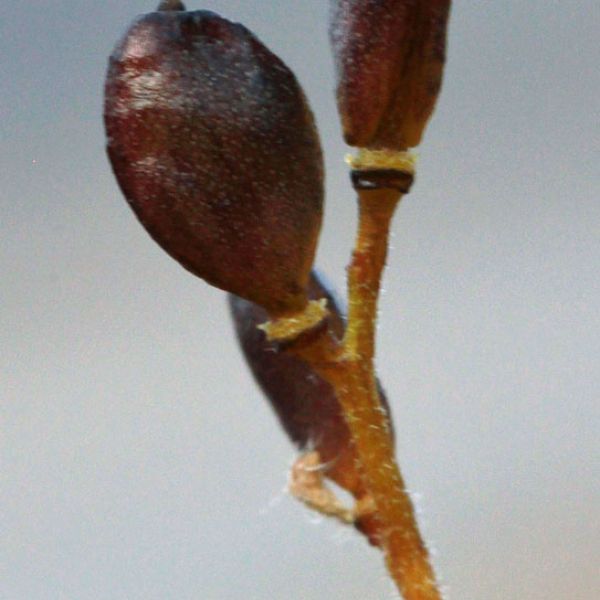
column 139, row 461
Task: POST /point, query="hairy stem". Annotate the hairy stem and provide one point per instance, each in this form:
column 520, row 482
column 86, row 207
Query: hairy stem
column 350, row 370
column 376, row 209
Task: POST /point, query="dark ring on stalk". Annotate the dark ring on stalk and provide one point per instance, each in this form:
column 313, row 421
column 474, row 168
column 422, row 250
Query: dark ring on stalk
column 378, row 179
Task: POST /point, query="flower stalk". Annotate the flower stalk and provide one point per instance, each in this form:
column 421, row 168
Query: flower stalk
column 348, row 365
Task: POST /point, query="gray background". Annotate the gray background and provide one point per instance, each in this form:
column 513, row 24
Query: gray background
column 139, row 461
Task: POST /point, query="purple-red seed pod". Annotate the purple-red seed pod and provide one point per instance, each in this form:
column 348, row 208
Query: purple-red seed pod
column 305, row 404
column 214, row 147
column 390, row 57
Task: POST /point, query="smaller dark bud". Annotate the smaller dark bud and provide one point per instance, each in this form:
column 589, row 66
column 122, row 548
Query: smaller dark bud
column 306, row 404
column 389, row 56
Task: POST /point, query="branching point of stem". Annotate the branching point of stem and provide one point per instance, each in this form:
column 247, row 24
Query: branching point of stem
column 349, row 368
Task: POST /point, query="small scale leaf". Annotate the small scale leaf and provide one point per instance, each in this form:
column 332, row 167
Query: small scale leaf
column 214, row 147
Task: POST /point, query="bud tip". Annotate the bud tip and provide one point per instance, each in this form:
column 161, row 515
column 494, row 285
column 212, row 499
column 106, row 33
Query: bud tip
column 167, row 5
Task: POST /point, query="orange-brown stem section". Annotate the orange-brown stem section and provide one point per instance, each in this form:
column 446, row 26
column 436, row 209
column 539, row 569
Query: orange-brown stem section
column 376, row 209
column 349, row 368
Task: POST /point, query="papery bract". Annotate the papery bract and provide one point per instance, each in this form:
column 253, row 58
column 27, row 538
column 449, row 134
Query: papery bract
column 389, row 56
column 213, row 145
column 306, row 404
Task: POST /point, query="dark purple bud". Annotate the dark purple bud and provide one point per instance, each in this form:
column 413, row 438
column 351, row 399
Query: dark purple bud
column 214, row 147
column 305, row 404
column 390, row 57
column 171, row 5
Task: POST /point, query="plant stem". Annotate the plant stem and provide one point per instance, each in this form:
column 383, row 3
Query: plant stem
column 405, row 552
column 350, row 370
column 376, row 209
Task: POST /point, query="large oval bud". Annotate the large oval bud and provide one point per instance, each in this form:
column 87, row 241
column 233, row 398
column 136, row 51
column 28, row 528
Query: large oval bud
column 214, row 147
column 389, row 56
column 306, row 405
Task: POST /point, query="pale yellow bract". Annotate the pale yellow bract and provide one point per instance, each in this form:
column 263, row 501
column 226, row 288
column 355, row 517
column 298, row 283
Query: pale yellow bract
column 367, row 159
column 289, row 328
